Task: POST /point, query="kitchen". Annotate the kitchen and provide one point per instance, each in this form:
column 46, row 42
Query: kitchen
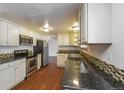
column 61, row 46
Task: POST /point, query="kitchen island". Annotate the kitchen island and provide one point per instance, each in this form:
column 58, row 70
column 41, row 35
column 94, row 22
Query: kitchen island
column 62, row 56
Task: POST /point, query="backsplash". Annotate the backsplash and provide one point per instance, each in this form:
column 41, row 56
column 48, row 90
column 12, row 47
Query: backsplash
column 6, row 57
column 104, row 68
column 10, row 49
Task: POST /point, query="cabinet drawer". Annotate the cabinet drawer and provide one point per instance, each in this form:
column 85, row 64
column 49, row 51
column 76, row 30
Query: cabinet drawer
column 7, row 65
column 20, row 61
column 11, row 64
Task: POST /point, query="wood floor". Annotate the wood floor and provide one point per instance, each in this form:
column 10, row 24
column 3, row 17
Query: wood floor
column 48, row 78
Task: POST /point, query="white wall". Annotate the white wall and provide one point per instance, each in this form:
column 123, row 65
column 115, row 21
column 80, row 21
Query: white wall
column 101, row 51
column 53, row 47
column 113, row 54
column 118, row 35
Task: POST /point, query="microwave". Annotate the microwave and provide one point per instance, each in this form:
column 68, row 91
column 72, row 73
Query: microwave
column 25, row 40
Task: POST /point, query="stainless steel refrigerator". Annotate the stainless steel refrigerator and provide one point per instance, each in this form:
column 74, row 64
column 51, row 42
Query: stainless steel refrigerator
column 42, row 48
column 45, row 53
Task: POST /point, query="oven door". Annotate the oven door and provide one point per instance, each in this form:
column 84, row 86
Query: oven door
column 31, row 64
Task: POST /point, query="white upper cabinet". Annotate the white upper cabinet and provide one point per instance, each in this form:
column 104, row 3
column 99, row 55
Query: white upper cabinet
column 63, row 39
column 9, row 33
column 60, row 39
column 13, row 34
column 83, row 23
column 96, row 23
column 66, row 39
column 3, row 33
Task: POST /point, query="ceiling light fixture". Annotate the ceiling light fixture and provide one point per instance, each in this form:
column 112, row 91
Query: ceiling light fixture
column 75, row 26
column 46, row 28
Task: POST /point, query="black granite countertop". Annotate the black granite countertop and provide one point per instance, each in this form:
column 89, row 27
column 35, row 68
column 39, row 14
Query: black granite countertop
column 15, row 58
column 80, row 75
column 10, row 60
column 68, row 51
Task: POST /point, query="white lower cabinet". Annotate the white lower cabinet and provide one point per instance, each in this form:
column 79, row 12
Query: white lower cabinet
column 8, row 78
column 61, row 59
column 39, row 60
column 12, row 73
column 3, row 33
column 0, row 81
column 20, row 71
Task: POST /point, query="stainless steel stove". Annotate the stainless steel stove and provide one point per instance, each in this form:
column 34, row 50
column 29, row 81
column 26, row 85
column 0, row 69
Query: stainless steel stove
column 31, row 62
column 31, row 65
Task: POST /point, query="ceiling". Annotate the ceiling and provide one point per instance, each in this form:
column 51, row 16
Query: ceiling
column 34, row 15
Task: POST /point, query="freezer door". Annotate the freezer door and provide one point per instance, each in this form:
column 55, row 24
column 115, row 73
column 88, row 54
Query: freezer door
column 45, row 56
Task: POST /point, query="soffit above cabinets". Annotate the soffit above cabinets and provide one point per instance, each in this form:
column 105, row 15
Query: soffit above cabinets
column 34, row 15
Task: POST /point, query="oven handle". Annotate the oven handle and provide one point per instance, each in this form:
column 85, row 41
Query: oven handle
column 32, row 58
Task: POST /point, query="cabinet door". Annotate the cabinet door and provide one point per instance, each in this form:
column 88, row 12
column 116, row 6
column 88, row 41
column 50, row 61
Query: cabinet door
column 63, row 39
column 13, row 35
column 60, row 39
column 8, row 78
column 99, row 23
column 66, row 57
column 39, row 61
column 83, row 24
column 0, row 81
column 3, row 33
column 20, row 71
column 66, row 39
column 61, row 59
